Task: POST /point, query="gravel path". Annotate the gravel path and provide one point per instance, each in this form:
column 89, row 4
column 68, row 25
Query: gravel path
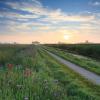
column 83, row 72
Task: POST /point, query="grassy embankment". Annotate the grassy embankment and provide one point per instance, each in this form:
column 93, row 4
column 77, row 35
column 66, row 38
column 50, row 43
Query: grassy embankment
column 85, row 62
column 89, row 50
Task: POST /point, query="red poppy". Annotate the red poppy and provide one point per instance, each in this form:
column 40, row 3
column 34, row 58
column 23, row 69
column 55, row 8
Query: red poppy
column 10, row 66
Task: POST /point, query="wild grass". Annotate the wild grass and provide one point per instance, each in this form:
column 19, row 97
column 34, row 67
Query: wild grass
column 37, row 76
column 7, row 52
column 89, row 49
column 75, row 86
column 82, row 61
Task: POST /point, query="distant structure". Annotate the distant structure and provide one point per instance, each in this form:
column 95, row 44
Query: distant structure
column 87, row 42
column 14, row 43
column 35, row 42
column 61, row 42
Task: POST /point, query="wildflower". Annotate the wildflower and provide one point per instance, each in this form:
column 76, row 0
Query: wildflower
column 8, row 74
column 46, row 87
column 18, row 66
column 56, row 81
column 10, row 66
column 57, row 93
column 9, row 82
column 26, row 98
column 45, row 81
column 27, row 72
column 19, row 86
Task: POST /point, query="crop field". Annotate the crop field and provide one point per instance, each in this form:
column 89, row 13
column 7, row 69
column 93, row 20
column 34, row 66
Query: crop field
column 28, row 72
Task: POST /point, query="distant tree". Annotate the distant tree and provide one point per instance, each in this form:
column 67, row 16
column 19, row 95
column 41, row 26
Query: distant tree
column 86, row 41
column 36, row 43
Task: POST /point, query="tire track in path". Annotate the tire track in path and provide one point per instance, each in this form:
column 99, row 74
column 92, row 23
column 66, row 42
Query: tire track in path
column 92, row 77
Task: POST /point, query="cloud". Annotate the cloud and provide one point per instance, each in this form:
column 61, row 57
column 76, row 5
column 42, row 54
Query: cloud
column 29, row 6
column 68, row 18
column 38, row 11
column 32, row 18
column 96, row 3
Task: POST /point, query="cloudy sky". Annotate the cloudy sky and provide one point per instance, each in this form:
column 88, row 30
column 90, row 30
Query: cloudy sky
column 49, row 21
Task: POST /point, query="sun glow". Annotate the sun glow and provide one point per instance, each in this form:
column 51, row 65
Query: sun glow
column 66, row 36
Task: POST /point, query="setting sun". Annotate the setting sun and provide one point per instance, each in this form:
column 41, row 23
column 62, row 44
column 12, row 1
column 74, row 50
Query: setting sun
column 66, row 36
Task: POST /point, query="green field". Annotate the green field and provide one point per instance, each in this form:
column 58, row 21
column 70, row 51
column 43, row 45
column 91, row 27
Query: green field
column 27, row 72
column 83, row 61
column 89, row 50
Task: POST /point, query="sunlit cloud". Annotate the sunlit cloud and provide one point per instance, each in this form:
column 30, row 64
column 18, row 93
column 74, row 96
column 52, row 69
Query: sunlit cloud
column 37, row 10
column 32, row 18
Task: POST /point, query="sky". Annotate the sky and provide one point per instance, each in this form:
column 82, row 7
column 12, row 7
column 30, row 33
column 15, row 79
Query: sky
column 49, row 21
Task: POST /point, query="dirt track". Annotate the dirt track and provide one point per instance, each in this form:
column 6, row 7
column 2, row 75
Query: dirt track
column 83, row 72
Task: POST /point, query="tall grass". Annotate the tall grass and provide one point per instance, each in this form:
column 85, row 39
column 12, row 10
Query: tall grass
column 7, row 52
column 82, row 61
column 39, row 77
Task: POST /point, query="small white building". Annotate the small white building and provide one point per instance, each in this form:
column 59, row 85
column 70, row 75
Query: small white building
column 36, row 43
